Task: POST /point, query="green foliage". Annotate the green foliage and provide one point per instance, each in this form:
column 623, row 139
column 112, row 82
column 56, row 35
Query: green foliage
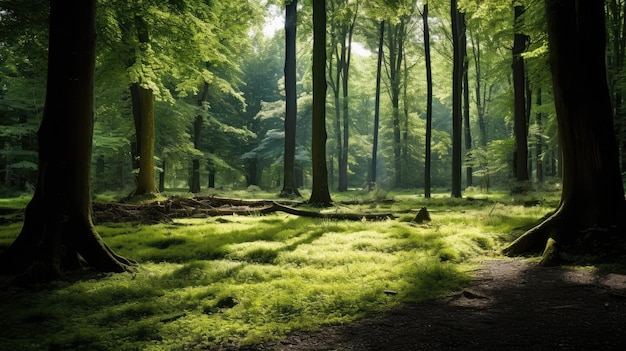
column 242, row 280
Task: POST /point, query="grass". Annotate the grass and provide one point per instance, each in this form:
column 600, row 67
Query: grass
column 240, row 280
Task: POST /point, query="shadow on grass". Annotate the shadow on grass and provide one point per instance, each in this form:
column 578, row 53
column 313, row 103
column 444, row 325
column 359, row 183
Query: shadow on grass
column 513, row 305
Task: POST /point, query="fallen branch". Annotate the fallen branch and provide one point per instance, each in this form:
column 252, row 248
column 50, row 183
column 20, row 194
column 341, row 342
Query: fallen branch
column 210, row 206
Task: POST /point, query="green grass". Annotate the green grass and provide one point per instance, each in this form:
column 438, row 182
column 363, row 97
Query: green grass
column 245, row 279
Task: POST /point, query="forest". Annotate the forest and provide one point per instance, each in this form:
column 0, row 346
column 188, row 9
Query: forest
column 225, row 175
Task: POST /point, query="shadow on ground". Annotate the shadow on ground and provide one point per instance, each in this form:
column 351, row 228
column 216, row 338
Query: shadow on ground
column 512, row 305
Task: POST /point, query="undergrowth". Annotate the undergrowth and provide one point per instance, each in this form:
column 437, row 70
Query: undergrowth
column 241, row 280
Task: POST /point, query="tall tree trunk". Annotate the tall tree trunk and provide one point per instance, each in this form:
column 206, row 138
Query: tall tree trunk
column 616, row 15
column 346, row 54
column 429, row 104
column 58, row 233
column 519, row 91
column 146, row 183
column 457, row 95
column 143, row 114
column 481, row 94
column 197, row 140
column 466, row 101
column 320, row 195
column 373, row 166
column 289, row 174
column 395, row 44
column 593, row 194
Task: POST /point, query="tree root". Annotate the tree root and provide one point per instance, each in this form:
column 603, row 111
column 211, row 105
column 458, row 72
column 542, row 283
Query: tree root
column 541, row 236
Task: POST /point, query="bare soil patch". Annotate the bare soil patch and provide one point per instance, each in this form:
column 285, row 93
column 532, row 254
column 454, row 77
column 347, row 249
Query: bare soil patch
column 511, row 305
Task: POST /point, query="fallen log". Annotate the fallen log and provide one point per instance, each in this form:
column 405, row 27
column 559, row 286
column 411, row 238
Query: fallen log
column 202, row 207
column 341, row 216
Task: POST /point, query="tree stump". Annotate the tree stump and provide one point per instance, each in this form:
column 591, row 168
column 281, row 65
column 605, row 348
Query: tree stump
column 422, row 216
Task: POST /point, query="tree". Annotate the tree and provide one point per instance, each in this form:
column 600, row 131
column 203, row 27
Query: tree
column 457, row 91
column 429, row 103
column 373, row 167
column 341, row 31
column 592, row 199
column 58, row 233
column 290, row 188
column 616, row 58
column 320, row 195
column 520, row 42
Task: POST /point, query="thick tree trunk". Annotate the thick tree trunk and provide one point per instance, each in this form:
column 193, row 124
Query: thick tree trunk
column 457, row 95
column 146, row 183
column 289, row 174
column 320, row 195
column 593, row 195
column 58, row 232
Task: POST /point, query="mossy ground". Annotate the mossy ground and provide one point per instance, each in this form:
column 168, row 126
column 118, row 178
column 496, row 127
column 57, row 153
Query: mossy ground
column 246, row 279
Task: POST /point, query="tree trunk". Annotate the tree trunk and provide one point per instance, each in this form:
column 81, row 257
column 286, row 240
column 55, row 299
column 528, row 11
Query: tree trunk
column 289, row 175
column 197, row 140
column 466, row 101
column 457, row 94
column 58, row 233
column 162, row 177
column 373, row 166
column 395, row 45
column 592, row 195
column 519, row 91
column 146, row 183
column 320, row 196
column 539, row 138
column 429, row 104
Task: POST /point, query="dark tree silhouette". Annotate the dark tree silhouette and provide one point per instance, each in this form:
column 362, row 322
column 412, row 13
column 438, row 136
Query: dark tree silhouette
column 429, row 104
column 58, row 233
column 290, row 188
column 320, row 195
column 519, row 91
column 592, row 200
column 457, row 87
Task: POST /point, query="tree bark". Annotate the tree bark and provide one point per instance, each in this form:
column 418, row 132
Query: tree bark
column 320, row 195
column 58, row 233
column 466, row 102
column 519, row 91
column 373, row 166
column 197, row 140
column 457, row 94
column 592, row 195
column 429, row 105
column 289, row 174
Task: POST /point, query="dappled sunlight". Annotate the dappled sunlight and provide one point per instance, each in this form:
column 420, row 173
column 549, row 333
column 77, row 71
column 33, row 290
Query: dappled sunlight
column 202, row 282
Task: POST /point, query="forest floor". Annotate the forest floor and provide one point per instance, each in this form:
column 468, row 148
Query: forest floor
column 512, row 304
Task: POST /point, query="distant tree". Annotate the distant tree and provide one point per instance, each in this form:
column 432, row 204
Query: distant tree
column 380, row 54
column 467, row 133
column 592, row 199
column 457, row 95
column 58, row 233
column 344, row 15
column 320, row 195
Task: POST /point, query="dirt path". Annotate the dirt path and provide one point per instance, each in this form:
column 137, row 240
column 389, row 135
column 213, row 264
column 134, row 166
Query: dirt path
column 512, row 305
